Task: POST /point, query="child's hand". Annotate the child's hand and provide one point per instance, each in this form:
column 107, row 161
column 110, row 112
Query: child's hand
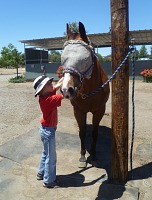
column 59, row 83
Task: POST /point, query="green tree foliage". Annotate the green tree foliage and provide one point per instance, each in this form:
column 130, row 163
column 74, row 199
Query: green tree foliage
column 100, row 58
column 54, row 56
column 107, row 58
column 150, row 53
column 74, row 27
column 10, row 57
column 136, row 54
column 143, row 52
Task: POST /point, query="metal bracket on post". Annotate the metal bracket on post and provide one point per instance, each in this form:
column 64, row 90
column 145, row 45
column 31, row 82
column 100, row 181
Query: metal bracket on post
column 132, row 41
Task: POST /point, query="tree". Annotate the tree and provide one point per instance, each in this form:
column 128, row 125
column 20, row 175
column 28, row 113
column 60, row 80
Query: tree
column 107, row 58
column 100, row 58
column 55, row 56
column 11, row 57
column 150, row 53
column 143, row 52
column 74, row 27
column 136, row 55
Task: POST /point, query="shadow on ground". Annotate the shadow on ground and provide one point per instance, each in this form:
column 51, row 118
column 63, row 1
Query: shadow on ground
column 142, row 172
column 77, row 179
column 106, row 190
column 103, row 147
column 103, row 150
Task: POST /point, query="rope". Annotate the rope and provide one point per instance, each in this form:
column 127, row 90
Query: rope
column 112, row 77
column 133, row 112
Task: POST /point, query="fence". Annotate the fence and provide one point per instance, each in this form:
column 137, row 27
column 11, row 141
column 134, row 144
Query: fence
column 35, row 70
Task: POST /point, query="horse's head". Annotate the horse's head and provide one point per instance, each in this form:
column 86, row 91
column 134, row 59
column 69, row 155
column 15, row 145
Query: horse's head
column 77, row 61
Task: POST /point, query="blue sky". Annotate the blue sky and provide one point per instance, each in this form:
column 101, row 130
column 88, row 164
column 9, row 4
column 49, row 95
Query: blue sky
column 34, row 19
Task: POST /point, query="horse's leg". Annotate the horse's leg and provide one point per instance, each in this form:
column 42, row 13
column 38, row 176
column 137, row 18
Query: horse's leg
column 81, row 120
column 97, row 116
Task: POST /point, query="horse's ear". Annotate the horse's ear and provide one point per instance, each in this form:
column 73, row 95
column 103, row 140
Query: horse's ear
column 69, row 33
column 82, row 32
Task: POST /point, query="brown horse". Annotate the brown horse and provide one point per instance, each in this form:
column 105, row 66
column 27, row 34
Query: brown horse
column 83, row 74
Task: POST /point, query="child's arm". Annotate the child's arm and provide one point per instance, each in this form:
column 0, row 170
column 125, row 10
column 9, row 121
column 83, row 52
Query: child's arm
column 59, row 83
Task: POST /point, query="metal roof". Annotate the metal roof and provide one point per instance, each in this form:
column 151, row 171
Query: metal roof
column 142, row 37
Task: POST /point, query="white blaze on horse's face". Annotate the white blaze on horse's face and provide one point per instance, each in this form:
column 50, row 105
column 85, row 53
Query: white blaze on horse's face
column 66, row 85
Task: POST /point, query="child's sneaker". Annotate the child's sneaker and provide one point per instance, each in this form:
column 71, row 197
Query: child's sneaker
column 39, row 177
column 51, row 185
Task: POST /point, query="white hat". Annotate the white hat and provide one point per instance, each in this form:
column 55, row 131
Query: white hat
column 40, row 82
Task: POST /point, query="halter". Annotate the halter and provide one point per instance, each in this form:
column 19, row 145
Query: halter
column 82, row 75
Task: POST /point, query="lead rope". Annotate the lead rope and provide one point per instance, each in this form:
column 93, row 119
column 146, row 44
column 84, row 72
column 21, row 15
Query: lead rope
column 132, row 49
column 133, row 108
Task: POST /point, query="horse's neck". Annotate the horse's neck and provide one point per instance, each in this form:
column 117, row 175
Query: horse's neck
column 94, row 81
column 96, row 73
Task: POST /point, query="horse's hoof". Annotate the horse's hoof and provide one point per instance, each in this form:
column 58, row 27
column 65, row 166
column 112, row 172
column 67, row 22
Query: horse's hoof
column 95, row 163
column 82, row 164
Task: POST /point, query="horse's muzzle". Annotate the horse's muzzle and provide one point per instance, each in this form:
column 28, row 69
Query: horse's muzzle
column 71, row 91
column 68, row 93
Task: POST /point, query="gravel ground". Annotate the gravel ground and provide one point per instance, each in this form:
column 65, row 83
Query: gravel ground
column 20, row 111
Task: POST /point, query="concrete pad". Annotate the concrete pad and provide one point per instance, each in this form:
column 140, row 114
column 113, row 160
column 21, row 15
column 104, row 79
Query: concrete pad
column 19, row 163
column 144, row 151
column 20, row 160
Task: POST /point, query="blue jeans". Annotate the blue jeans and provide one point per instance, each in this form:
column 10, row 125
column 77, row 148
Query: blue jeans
column 48, row 159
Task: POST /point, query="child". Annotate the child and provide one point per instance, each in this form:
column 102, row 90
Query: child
column 49, row 101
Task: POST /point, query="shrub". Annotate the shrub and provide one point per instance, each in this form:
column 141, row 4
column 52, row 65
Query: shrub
column 147, row 75
column 59, row 72
column 19, row 79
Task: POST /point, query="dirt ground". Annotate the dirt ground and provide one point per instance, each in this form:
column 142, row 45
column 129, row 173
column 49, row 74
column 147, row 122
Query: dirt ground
column 20, row 113
column 20, row 110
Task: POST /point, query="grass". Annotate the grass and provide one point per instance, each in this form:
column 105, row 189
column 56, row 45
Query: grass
column 19, row 79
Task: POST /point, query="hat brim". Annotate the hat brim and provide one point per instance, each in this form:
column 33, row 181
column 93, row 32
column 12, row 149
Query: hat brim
column 43, row 84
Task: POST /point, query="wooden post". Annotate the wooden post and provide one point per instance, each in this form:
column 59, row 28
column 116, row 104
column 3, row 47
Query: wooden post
column 120, row 91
